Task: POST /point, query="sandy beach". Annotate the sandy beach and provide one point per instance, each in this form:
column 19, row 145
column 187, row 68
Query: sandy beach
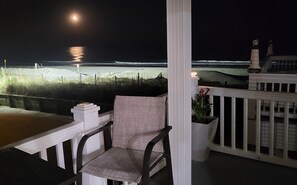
column 211, row 74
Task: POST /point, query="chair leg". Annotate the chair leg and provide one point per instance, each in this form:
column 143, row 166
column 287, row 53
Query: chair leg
column 168, row 159
column 79, row 178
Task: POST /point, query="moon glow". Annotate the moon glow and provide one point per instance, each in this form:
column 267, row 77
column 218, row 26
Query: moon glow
column 74, row 18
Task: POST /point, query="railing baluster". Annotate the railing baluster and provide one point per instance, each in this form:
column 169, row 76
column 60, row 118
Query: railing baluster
column 233, row 124
column 279, row 90
column 258, row 126
column 245, row 124
column 74, row 145
column 286, row 130
column 43, row 154
column 264, row 102
column 60, row 155
column 295, row 109
column 211, row 102
column 271, row 120
column 222, row 121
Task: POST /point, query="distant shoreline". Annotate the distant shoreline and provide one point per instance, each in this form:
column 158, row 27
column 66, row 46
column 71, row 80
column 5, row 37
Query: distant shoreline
column 195, row 63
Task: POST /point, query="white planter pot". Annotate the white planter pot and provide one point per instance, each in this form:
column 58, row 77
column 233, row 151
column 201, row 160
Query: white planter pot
column 202, row 136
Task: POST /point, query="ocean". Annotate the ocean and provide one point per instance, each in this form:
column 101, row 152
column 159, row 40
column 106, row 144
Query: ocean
column 87, row 56
column 49, row 55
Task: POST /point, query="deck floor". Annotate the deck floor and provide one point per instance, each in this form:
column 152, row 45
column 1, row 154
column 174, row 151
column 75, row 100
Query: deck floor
column 224, row 169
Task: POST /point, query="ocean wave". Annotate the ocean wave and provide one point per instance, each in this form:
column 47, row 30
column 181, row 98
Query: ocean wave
column 142, row 64
column 195, row 63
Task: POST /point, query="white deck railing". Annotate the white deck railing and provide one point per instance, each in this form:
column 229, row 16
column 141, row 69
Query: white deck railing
column 273, row 82
column 70, row 132
column 276, row 83
column 40, row 143
column 240, row 133
column 280, row 63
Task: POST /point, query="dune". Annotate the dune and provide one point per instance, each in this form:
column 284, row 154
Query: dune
column 219, row 77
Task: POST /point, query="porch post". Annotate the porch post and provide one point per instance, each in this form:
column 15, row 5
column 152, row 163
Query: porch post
column 88, row 113
column 179, row 87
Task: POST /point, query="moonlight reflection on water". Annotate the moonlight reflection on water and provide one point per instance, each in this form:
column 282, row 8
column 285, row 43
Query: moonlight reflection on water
column 77, row 53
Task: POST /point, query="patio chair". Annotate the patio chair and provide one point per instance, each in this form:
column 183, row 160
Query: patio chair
column 139, row 142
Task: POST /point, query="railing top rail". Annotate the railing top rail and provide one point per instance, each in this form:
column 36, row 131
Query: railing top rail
column 273, row 78
column 286, row 57
column 62, row 133
column 275, row 75
column 251, row 94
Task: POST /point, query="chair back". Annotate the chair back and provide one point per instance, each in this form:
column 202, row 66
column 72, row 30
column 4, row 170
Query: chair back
column 137, row 120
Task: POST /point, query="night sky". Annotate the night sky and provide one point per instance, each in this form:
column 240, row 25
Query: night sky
column 136, row 29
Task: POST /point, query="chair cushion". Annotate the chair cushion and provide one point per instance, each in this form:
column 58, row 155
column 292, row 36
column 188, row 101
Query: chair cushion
column 137, row 120
column 119, row 164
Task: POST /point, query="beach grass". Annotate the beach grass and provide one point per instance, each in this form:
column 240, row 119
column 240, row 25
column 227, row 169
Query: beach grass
column 101, row 89
column 101, row 84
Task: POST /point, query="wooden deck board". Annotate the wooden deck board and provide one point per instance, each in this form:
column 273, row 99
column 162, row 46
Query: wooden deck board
column 224, row 169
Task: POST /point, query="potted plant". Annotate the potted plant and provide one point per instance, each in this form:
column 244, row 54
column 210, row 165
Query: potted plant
column 203, row 126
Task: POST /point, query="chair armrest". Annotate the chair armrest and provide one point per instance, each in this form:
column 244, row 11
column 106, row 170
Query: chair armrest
column 83, row 141
column 156, row 139
column 149, row 148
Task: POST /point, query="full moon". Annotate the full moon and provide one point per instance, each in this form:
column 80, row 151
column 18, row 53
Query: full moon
column 74, row 18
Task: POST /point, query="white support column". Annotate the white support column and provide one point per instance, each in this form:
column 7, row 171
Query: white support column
column 179, row 87
column 88, row 114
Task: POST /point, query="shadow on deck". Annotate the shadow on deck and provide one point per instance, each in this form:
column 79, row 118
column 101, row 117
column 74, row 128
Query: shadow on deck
column 224, row 169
